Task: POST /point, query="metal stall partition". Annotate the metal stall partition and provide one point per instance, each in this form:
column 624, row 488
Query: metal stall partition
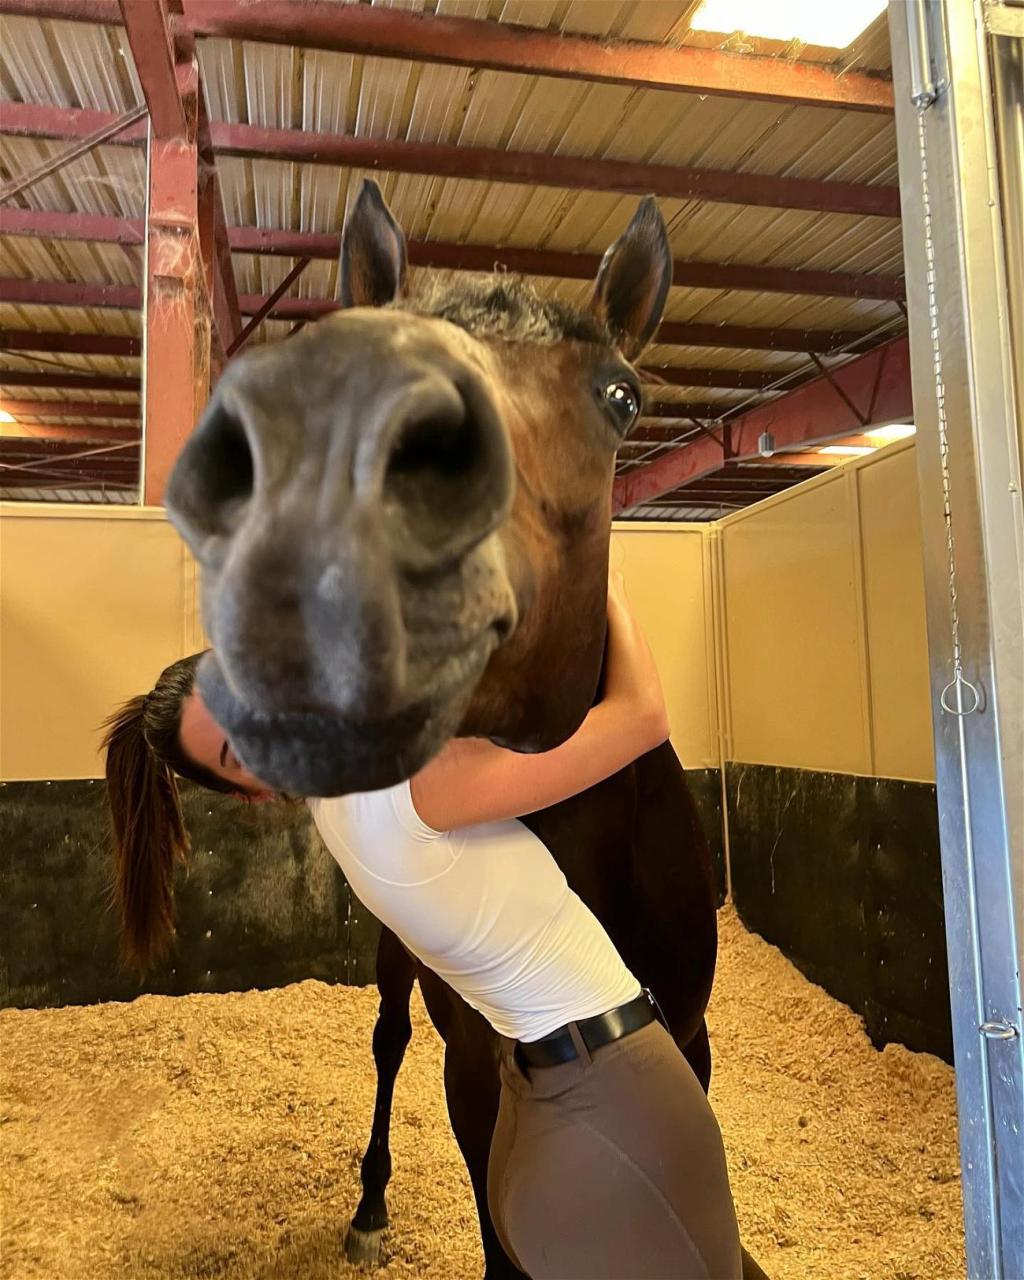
column 959, row 103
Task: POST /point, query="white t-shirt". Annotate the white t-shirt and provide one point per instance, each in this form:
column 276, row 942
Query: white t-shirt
column 487, row 908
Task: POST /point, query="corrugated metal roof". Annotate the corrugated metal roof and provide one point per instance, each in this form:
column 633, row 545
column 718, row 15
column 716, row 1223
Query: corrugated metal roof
column 78, row 65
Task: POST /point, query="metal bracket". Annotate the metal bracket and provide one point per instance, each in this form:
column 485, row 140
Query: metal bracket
column 826, row 373
column 999, row 1029
column 929, row 77
column 1004, row 19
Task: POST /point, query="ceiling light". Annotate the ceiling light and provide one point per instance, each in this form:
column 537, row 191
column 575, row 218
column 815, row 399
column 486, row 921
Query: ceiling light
column 886, row 435
column 7, row 417
column 848, row 450
column 823, row 22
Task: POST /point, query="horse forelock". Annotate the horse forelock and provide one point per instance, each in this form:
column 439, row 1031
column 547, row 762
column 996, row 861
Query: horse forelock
column 501, row 306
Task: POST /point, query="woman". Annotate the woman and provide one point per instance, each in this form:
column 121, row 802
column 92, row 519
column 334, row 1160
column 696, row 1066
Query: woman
column 606, row 1159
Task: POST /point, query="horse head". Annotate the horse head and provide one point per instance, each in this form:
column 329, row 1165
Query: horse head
column 402, row 513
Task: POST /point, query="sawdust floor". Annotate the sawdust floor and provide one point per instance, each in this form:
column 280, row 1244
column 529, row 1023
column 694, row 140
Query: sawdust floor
column 220, row 1136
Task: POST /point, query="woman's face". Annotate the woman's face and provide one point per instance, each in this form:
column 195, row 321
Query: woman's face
column 205, row 742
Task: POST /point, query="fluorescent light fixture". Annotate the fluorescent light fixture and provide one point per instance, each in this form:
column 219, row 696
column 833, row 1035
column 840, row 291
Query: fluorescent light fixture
column 833, row 23
column 7, row 417
column 848, row 450
column 886, row 435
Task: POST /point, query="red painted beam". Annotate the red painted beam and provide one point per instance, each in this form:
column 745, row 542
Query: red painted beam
column 73, row 431
column 688, row 376
column 62, row 293
column 492, row 164
column 69, row 293
column 276, row 242
column 178, row 283
column 70, row 409
column 397, row 33
column 684, row 334
column 566, row 172
column 95, row 227
column 878, row 383
column 146, row 26
column 72, row 344
column 213, row 232
column 682, row 410
column 41, row 120
column 104, row 12
column 67, row 381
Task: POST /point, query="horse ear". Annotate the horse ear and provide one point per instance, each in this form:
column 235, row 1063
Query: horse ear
column 373, row 259
column 633, row 279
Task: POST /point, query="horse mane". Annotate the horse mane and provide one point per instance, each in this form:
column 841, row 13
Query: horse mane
column 500, row 305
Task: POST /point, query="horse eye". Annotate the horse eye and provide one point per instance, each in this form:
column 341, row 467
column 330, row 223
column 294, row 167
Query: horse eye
column 624, row 402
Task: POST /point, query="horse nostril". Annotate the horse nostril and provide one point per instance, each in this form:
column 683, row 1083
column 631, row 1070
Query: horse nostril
column 447, row 475
column 214, row 477
column 432, row 457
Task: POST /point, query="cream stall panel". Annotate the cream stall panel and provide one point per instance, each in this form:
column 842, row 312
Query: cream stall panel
column 894, row 613
column 93, row 604
column 666, row 569
column 793, row 641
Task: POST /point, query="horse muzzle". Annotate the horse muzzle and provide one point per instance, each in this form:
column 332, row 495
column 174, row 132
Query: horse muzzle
column 342, row 499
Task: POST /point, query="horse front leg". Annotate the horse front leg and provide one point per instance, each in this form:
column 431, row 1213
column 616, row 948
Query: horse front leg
column 396, row 973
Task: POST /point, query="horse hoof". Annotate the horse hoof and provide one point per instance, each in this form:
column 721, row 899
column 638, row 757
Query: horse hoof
column 363, row 1247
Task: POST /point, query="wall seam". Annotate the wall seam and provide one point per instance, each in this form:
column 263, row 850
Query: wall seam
column 852, row 479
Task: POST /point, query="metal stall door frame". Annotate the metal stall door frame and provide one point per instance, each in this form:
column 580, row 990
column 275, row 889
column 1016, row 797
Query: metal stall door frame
column 960, row 124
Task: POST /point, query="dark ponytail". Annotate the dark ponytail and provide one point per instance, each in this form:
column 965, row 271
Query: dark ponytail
column 143, row 755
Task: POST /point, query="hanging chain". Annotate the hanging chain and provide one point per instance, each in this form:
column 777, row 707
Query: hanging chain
column 959, row 684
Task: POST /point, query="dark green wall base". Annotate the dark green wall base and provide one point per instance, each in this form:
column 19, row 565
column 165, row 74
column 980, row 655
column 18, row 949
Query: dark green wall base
column 843, row 874
column 261, row 904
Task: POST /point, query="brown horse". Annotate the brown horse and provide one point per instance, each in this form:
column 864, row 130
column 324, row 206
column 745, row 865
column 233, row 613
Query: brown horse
column 402, row 517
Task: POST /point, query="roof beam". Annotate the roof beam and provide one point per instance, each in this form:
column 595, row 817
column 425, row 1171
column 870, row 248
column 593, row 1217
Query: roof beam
column 68, row 431
column 70, row 409
column 469, row 257
column 64, row 293
column 877, row 385
column 68, row 381
column 70, row 344
column 146, row 26
column 395, row 33
column 674, row 375
column 498, row 46
column 104, row 12
column 489, row 163
column 444, row 160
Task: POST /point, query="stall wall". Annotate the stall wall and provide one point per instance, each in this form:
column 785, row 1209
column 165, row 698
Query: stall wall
column 668, row 571
column 825, row 652
column 830, row 801
column 94, row 603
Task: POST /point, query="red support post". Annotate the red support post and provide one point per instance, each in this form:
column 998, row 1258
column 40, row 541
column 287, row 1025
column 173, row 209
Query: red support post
column 179, row 288
column 176, row 307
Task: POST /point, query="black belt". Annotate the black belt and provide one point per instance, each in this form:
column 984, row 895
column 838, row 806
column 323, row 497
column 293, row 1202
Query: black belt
column 596, row 1032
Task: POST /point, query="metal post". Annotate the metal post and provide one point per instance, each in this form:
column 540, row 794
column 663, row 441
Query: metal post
column 962, row 287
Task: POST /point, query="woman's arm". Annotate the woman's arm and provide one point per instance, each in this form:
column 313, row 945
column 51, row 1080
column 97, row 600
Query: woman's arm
column 473, row 781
